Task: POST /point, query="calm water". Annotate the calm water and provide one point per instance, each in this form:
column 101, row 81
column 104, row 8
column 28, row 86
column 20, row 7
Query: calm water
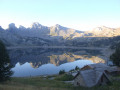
column 44, row 61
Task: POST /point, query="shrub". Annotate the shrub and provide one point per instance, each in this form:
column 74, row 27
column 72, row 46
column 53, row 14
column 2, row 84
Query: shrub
column 61, row 72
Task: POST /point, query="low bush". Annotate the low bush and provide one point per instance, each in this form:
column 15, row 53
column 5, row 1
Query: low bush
column 61, row 72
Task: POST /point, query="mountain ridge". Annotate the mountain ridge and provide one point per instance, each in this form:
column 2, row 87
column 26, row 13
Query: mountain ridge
column 39, row 35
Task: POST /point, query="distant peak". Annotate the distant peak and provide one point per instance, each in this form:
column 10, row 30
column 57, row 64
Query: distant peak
column 1, row 28
column 102, row 27
column 57, row 25
column 12, row 26
column 36, row 25
column 21, row 27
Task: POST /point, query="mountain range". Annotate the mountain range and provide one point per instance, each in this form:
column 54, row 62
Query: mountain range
column 39, row 35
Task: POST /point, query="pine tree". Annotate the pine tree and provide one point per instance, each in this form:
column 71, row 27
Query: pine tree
column 115, row 57
column 76, row 68
column 5, row 67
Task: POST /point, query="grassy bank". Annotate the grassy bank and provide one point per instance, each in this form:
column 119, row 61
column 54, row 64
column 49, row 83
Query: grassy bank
column 41, row 83
column 34, row 83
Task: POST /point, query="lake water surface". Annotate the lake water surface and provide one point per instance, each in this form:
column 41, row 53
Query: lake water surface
column 48, row 61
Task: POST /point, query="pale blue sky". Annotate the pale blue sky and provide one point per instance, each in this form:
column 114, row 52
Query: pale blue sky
column 77, row 14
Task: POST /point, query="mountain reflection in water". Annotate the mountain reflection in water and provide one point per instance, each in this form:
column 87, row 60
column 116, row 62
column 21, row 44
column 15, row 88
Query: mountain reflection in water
column 43, row 60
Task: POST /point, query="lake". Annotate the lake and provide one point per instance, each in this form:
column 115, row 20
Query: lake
column 48, row 61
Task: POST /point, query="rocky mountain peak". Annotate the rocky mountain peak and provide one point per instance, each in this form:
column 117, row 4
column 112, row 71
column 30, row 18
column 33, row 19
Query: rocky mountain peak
column 21, row 27
column 12, row 27
column 57, row 25
column 36, row 25
column 102, row 28
column 1, row 28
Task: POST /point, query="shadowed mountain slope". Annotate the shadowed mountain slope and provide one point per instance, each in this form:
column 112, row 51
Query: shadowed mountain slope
column 39, row 35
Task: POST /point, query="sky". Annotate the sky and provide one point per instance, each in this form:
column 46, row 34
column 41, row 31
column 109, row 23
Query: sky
column 77, row 14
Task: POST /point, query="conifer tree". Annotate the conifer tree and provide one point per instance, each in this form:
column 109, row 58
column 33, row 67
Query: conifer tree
column 115, row 57
column 5, row 67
